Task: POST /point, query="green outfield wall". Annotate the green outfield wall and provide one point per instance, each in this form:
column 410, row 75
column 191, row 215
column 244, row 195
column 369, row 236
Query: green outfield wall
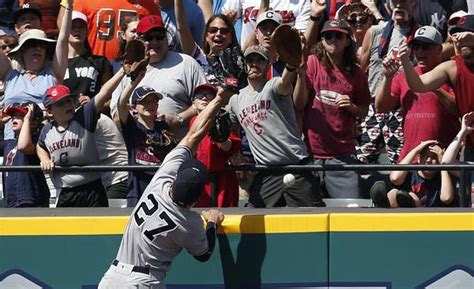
column 286, row 248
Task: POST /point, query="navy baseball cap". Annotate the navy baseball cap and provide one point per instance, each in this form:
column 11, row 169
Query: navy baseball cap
column 143, row 91
column 189, row 183
column 22, row 108
column 26, row 8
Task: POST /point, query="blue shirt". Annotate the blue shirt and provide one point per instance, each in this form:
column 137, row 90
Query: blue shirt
column 195, row 20
column 23, row 188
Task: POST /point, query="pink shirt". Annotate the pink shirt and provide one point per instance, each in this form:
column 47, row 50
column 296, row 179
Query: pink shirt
column 330, row 130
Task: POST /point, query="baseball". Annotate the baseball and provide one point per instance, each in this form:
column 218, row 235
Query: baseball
column 289, row 180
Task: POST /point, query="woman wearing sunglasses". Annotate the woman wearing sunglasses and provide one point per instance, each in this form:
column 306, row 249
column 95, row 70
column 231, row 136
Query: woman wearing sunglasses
column 337, row 94
column 359, row 18
column 36, row 64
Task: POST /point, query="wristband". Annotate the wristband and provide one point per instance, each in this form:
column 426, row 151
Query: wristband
column 67, row 8
column 211, row 224
column 315, row 18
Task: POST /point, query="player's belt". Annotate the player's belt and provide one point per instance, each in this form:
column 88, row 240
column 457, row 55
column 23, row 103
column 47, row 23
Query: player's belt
column 137, row 269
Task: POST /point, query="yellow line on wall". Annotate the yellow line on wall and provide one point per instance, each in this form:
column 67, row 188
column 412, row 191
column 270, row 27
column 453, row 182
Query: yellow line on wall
column 233, row 224
column 251, row 224
column 401, row 222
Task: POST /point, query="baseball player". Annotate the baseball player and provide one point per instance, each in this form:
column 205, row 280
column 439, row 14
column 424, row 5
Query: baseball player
column 162, row 224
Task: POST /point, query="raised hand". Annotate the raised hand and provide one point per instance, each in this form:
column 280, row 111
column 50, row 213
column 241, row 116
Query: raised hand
column 318, row 7
column 467, row 122
column 404, row 53
column 424, row 144
column 390, row 66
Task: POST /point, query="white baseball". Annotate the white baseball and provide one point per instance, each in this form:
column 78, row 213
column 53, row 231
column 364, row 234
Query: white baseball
column 289, row 180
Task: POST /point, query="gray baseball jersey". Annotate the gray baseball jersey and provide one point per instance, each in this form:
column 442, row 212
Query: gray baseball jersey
column 159, row 229
column 269, row 121
column 175, row 77
column 74, row 146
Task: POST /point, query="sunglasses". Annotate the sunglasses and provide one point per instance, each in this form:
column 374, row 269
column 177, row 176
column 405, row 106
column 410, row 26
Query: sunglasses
column 222, row 30
column 11, row 46
column 150, row 37
column 353, row 19
column 205, row 95
column 330, row 35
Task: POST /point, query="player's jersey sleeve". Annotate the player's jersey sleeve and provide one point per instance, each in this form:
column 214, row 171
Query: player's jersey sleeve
column 170, row 165
column 197, row 245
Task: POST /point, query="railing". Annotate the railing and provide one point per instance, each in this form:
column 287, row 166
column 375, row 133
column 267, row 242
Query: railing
column 462, row 168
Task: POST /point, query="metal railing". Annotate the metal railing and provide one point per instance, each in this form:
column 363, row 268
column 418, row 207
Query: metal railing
column 464, row 193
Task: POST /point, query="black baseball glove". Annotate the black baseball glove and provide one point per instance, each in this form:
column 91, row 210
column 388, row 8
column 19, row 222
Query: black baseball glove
column 229, row 68
column 220, row 131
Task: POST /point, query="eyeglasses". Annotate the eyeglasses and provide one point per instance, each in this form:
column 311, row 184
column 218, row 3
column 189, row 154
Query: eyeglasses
column 11, row 46
column 355, row 18
column 150, row 37
column 214, row 30
column 258, row 60
column 330, row 35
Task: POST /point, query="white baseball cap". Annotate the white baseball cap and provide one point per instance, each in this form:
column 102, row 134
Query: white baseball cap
column 428, row 34
column 270, row 15
column 455, row 16
column 79, row 15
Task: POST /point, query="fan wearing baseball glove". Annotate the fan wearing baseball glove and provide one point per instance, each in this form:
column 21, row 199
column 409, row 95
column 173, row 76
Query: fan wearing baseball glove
column 135, row 58
column 229, row 68
column 214, row 152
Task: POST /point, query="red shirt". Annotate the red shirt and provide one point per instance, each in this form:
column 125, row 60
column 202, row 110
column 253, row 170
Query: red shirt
column 215, row 159
column 105, row 18
column 464, row 90
column 424, row 117
column 329, row 130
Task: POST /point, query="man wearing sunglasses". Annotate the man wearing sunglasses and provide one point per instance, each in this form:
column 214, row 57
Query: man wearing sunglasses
column 430, row 115
column 173, row 75
column 265, row 111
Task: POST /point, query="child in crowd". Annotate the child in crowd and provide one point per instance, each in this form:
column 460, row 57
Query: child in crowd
column 148, row 138
column 452, row 152
column 70, row 140
column 222, row 189
column 423, row 188
column 29, row 188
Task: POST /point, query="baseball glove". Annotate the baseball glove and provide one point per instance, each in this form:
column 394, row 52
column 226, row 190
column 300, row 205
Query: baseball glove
column 288, row 44
column 135, row 58
column 229, row 68
column 220, row 130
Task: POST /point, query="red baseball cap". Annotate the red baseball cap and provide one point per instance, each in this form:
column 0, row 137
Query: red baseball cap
column 55, row 94
column 150, row 22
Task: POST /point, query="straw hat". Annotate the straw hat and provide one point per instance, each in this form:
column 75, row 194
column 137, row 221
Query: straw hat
column 32, row 34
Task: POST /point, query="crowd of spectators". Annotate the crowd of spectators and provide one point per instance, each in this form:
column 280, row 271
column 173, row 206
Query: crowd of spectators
column 381, row 77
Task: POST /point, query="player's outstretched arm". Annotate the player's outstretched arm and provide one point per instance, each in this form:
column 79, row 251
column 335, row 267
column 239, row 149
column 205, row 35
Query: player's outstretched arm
column 205, row 120
column 213, row 218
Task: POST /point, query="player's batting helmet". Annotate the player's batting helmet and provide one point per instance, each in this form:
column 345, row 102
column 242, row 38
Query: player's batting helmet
column 189, row 183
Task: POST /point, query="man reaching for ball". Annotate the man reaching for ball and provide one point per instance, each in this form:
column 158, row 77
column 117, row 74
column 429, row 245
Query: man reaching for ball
column 162, row 223
column 265, row 111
